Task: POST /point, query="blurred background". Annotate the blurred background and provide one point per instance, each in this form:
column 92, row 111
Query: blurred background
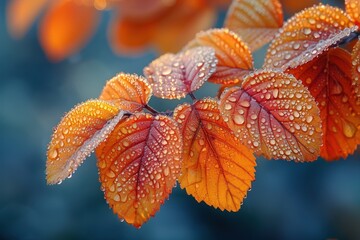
column 317, row 200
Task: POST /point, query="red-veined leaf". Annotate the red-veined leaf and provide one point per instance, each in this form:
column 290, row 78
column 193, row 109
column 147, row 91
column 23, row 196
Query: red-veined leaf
column 274, row 114
column 355, row 57
column 234, row 56
column 66, row 27
column 306, row 35
column 352, row 8
column 256, row 21
column 77, row 135
column 139, row 164
column 175, row 75
column 217, row 169
column 329, row 80
column 129, row 92
column 21, row 14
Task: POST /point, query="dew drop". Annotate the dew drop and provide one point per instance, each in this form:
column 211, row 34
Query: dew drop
column 239, row 119
column 245, row 103
column 336, row 89
column 53, row 154
column 349, row 129
column 227, row 106
column 166, row 71
column 309, row 119
column 276, row 93
column 307, row 31
column 117, row 198
column 166, row 171
column 126, row 143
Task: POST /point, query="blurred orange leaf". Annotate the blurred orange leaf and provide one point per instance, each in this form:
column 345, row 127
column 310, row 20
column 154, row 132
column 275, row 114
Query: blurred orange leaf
column 175, row 75
column 234, row 56
column 275, row 115
column 306, row 35
column 139, row 164
column 21, row 14
column 66, row 27
column 329, row 80
column 128, row 36
column 352, row 8
column 180, row 25
column 256, row 21
column 129, row 92
column 217, row 169
column 77, row 135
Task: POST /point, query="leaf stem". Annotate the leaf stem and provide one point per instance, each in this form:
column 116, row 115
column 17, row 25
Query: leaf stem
column 152, row 110
column 191, row 94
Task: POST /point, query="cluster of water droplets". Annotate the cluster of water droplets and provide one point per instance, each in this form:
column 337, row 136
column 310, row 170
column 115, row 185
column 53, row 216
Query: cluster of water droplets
column 308, row 34
column 275, row 115
column 139, row 165
column 77, row 135
column 175, row 75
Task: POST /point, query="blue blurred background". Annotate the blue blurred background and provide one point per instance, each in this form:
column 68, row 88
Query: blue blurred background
column 317, row 200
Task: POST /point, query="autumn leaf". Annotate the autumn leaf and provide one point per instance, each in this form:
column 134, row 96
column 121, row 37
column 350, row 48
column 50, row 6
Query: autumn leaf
column 77, row 135
column 21, row 14
column 355, row 61
column 139, row 164
column 352, row 8
column 128, row 36
column 179, row 26
column 129, row 92
column 329, row 80
column 217, row 169
column 175, row 75
column 306, row 35
column 66, row 27
column 234, row 56
column 256, row 21
column 275, row 115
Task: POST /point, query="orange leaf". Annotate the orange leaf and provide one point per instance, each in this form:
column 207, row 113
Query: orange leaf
column 256, row 22
column 21, row 14
column 77, row 135
column 352, row 8
column 328, row 78
column 128, row 92
column 175, row 75
column 306, row 35
column 217, row 169
column 355, row 58
column 274, row 114
column 66, row 27
column 234, row 56
column 128, row 36
column 139, row 164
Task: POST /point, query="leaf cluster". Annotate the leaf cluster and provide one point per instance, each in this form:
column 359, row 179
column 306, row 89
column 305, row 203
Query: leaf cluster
column 302, row 104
